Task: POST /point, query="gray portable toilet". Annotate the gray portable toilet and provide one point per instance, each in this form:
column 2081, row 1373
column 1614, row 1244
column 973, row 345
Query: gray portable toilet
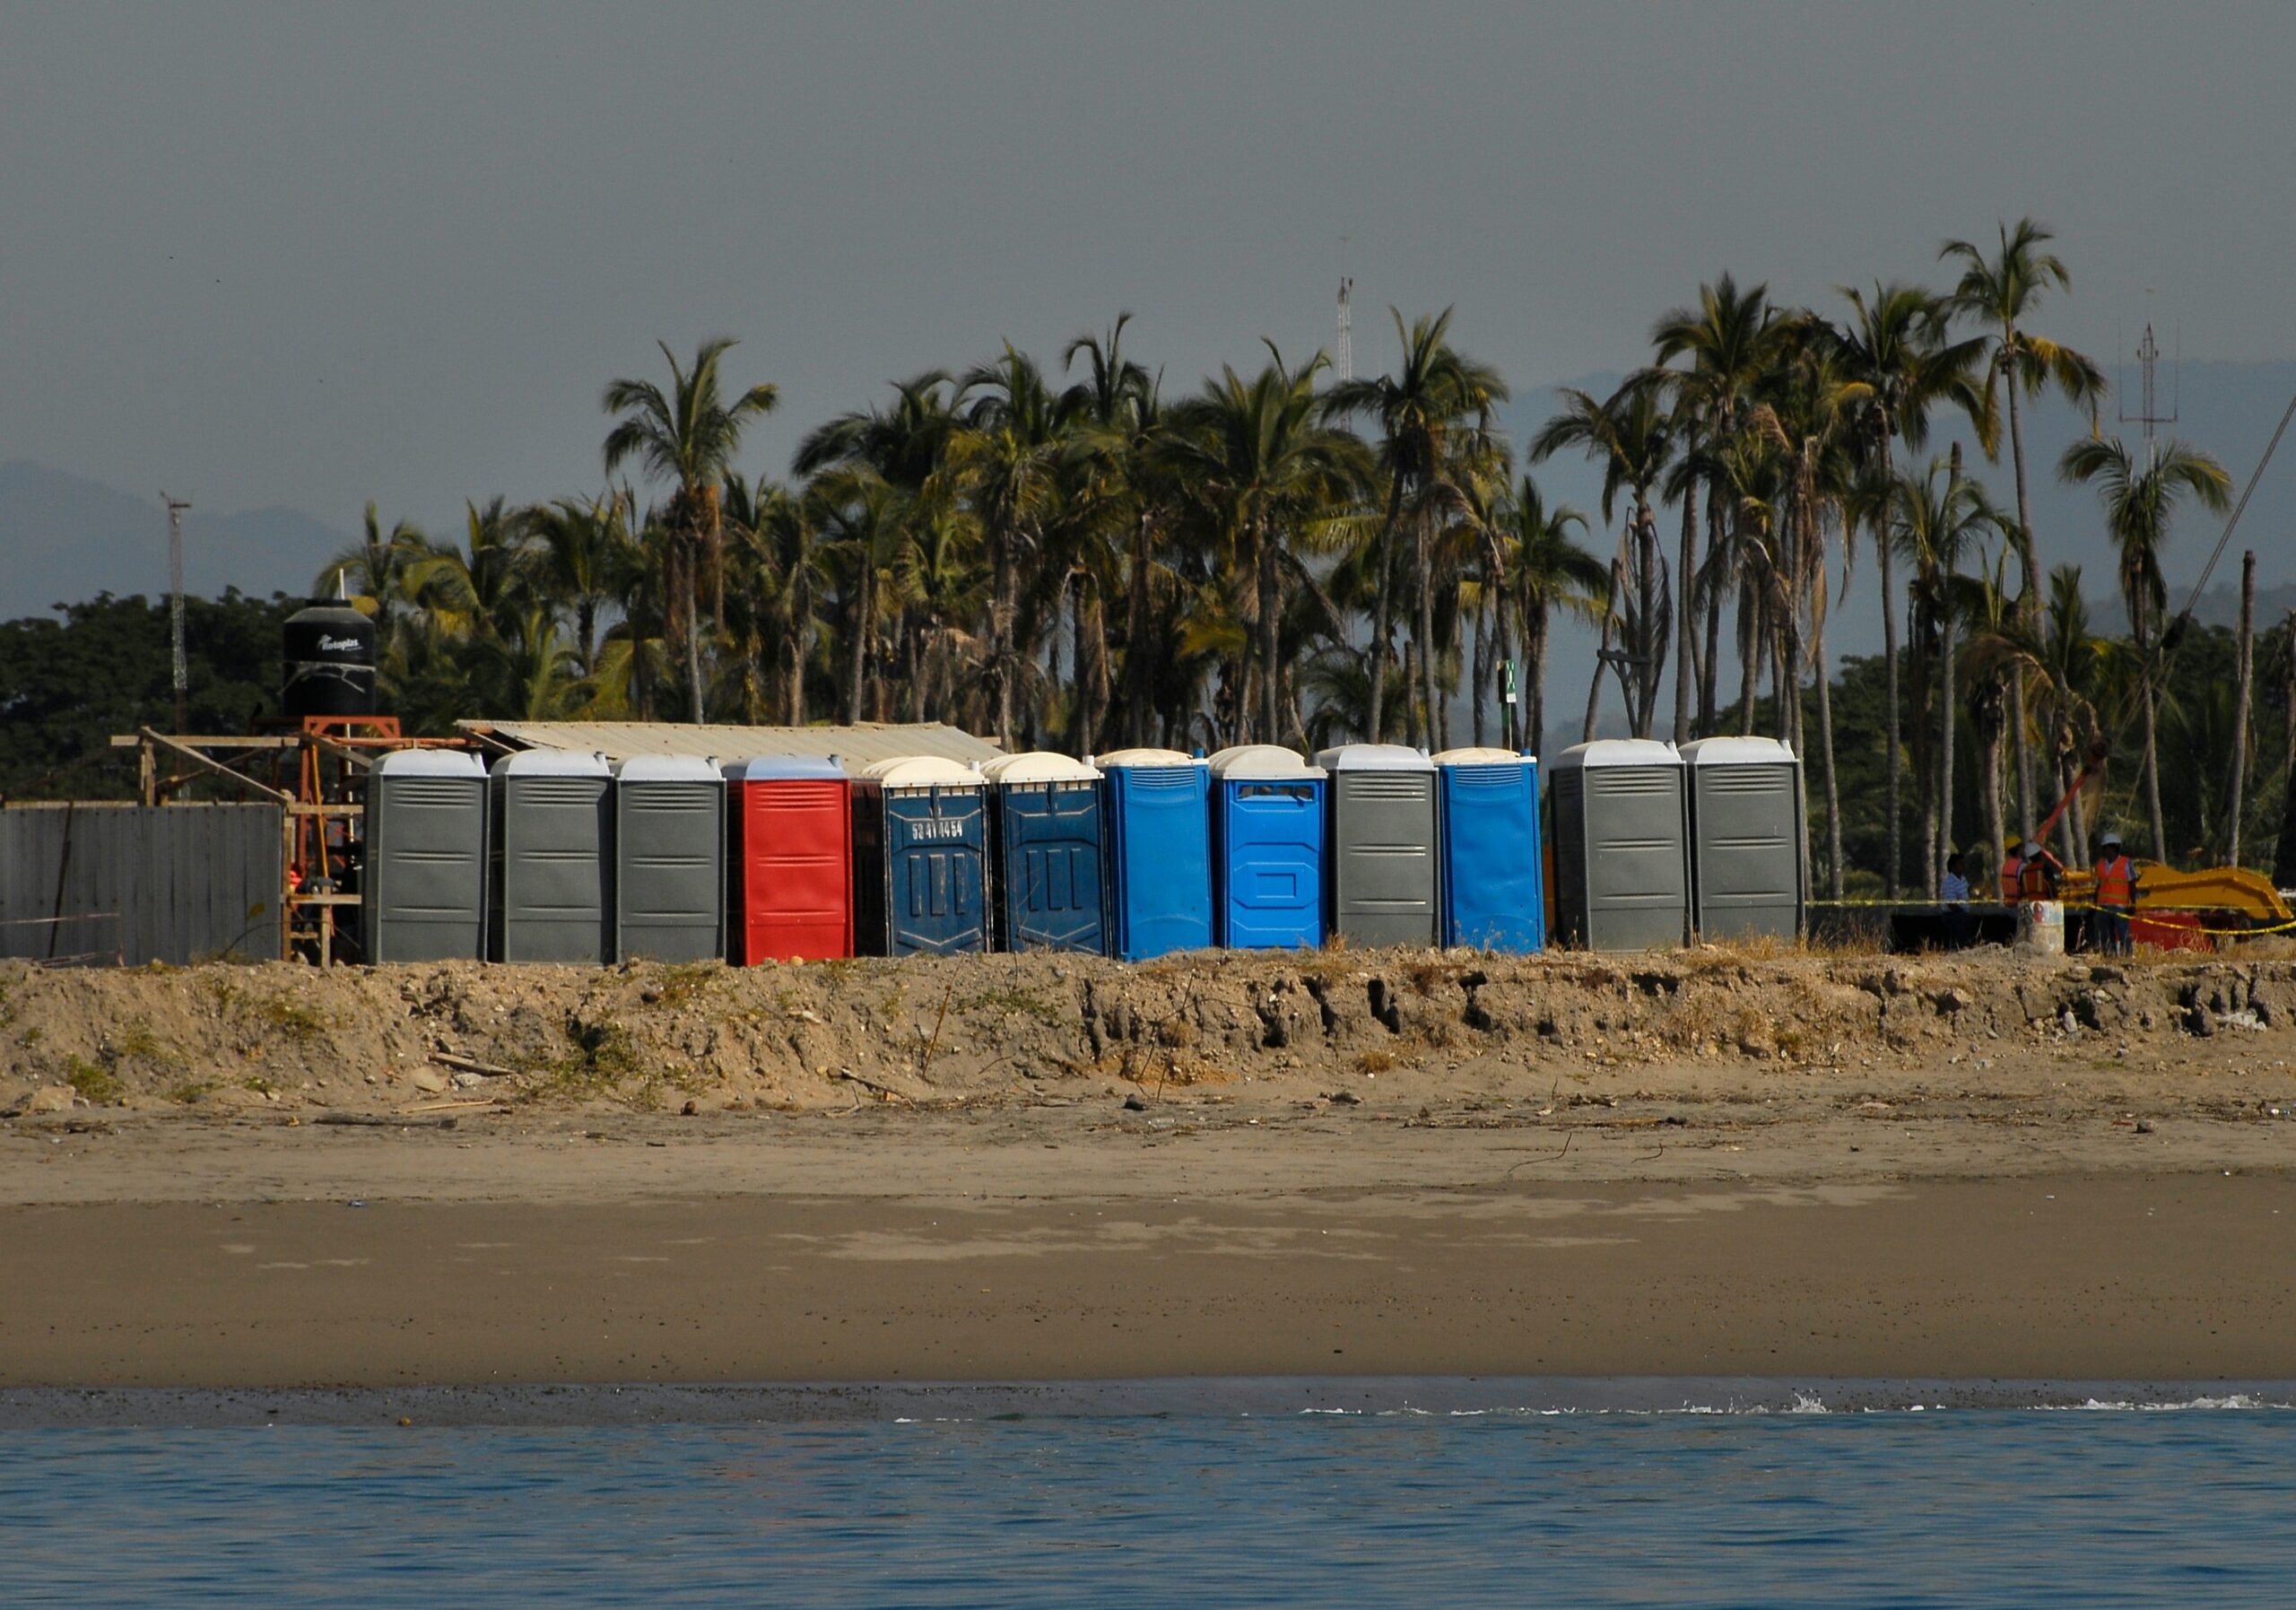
column 1621, row 845
column 669, row 859
column 1386, row 887
column 422, row 887
column 549, row 851
column 1747, row 827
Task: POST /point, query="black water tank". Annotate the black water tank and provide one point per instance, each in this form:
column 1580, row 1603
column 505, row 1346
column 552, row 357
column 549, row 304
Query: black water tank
column 329, row 654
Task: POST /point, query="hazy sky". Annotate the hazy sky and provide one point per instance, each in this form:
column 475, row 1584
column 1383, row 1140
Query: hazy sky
column 311, row 255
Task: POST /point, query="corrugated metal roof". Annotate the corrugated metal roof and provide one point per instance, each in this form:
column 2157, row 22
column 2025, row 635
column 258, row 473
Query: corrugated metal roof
column 856, row 746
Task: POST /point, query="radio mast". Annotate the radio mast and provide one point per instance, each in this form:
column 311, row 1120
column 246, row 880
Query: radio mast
column 180, row 670
column 1343, row 358
column 2148, row 414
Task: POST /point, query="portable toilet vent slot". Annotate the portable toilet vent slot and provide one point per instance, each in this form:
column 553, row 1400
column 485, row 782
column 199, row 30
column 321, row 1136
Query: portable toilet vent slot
column 1267, row 849
column 1492, row 894
column 790, row 860
column 1385, row 881
column 423, row 884
column 550, row 858
column 669, row 840
column 1747, row 827
column 1048, row 868
column 1621, row 857
column 921, row 856
column 1159, row 847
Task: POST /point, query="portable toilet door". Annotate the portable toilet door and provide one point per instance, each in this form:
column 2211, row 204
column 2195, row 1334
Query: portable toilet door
column 1267, row 849
column 1386, row 887
column 920, row 839
column 1622, row 856
column 1747, row 825
column 1048, row 869
column 790, row 860
column 422, row 886
column 1492, row 894
column 669, row 849
column 550, row 852
column 1159, row 834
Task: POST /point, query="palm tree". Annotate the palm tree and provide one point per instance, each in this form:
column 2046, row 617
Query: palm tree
column 372, row 572
column 1897, row 346
column 1257, row 457
column 1434, row 394
column 2000, row 292
column 2140, row 502
column 1545, row 572
column 1939, row 520
column 857, row 515
column 578, row 538
column 1107, row 539
column 688, row 437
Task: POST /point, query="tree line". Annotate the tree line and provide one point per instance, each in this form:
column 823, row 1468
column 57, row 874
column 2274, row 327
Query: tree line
column 1070, row 556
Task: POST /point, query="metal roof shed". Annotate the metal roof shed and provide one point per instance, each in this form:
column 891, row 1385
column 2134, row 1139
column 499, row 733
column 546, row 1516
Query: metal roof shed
column 1622, row 855
column 1746, row 831
column 550, row 858
column 1159, row 837
column 920, row 857
column 669, row 856
column 1267, row 849
column 1493, row 898
column 1385, row 888
column 423, row 884
column 789, row 860
column 1045, row 826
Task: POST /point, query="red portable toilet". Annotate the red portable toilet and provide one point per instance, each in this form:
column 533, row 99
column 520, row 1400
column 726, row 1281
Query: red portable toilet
column 791, row 861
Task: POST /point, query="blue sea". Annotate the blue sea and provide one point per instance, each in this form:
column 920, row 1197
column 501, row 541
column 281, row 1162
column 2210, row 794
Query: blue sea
column 1761, row 1500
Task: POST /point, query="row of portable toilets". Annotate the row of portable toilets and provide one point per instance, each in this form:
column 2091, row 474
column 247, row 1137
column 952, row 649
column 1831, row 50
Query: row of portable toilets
column 560, row 856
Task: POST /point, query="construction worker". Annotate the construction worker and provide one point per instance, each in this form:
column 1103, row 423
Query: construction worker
column 2012, row 872
column 2037, row 872
column 2116, row 896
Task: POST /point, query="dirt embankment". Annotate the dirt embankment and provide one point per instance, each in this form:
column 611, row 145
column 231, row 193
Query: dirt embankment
column 974, row 1029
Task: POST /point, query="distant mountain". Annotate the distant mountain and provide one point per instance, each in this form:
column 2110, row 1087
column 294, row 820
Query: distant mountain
column 66, row 538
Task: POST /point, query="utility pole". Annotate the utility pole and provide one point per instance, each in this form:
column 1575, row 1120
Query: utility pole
column 180, row 669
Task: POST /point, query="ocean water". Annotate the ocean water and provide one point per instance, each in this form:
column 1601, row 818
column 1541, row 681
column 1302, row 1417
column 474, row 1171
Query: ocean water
column 2095, row 1506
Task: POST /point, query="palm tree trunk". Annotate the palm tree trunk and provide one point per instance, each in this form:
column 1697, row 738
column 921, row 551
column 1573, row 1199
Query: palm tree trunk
column 1997, row 827
column 1423, row 563
column 1481, row 676
column 1833, row 787
column 2027, row 603
column 2236, row 795
column 1922, row 767
column 1510, row 728
column 1271, row 657
column 1000, row 630
column 1947, row 700
column 1595, row 684
column 857, row 650
column 1893, row 726
column 1137, row 657
column 1533, row 735
column 801, row 611
column 1410, row 693
column 1383, row 624
column 692, row 602
column 1750, row 634
column 1711, row 689
column 2140, row 623
column 1685, row 576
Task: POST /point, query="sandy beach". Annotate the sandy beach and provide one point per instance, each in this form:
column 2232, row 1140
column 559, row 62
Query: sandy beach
column 2049, row 1204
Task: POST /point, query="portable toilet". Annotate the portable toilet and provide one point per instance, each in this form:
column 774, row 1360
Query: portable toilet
column 1267, row 849
column 1386, row 887
column 920, row 857
column 669, row 859
column 790, row 860
column 1492, row 894
column 549, row 847
column 422, row 887
column 1746, row 829
column 1046, row 872
column 1622, row 855
column 1159, row 834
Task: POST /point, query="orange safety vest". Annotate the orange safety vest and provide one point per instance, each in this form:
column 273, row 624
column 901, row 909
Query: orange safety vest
column 2117, row 884
column 2012, row 873
column 2035, row 879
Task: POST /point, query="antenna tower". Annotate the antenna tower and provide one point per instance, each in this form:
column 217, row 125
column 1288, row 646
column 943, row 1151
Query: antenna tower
column 1344, row 359
column 180, row 672
column 2148, row 414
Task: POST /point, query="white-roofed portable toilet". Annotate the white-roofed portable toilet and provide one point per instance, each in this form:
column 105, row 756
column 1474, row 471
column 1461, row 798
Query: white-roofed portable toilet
column 422, row 886
column 669, row 859
column 1385, row 881
column 920, row 857
column 1747, row 823
column 1045, row 864
column 1267, row 849
column 1621, row 845
column 550, row 858
column 1493, row 892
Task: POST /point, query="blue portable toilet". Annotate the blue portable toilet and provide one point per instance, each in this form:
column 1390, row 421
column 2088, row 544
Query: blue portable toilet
column 1267, row 849
column 1159, row 838
column 1047, row 870
column 1492, row 894
column 920, row 858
